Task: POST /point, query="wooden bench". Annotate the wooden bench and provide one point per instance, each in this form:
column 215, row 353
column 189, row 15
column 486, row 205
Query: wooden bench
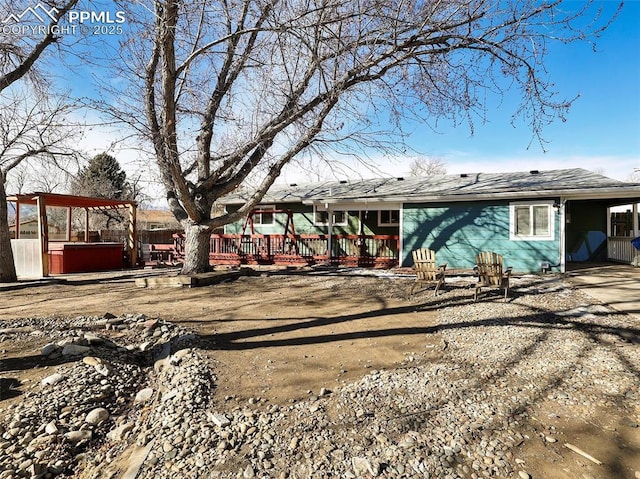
column 161, row 253
column 427, row 270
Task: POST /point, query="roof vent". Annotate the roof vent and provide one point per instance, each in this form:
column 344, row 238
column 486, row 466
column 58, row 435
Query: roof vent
column 343, row 182
column 534, row 172
column 463, row 175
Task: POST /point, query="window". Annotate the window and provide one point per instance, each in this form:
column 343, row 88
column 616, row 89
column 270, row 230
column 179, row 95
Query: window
column 389, row 218
column 531, row 221
column 262, row 218
column 321, row 218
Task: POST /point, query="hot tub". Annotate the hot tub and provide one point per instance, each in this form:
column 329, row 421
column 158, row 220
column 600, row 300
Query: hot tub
column 84, row 257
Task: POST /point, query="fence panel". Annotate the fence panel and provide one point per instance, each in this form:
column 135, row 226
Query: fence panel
column 27, row 257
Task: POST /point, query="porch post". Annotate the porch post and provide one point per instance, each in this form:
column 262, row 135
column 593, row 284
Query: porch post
column 132, row 240
column 329, row 233
column 43, row 235
column 17, row 218
column 636, row 229
column 86, row 225
column 68, row 235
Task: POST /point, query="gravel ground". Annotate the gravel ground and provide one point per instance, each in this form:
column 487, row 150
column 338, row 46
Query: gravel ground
column 514, row 383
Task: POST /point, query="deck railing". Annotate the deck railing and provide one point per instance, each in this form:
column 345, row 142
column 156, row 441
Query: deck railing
column 364, row 250
column 620, row 249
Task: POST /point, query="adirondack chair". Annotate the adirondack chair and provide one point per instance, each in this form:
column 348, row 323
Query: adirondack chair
column 427, row 270
column 491, row 273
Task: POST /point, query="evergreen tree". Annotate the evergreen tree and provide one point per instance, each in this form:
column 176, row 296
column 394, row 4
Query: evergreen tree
column 103, row 178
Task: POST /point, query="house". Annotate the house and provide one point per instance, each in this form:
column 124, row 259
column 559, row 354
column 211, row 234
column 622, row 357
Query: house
column 156, row 220
column 539, row 220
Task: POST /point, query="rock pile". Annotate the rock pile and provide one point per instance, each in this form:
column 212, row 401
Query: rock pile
column 137, row 400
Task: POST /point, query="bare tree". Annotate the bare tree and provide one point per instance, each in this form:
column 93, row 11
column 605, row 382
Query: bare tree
column 31, row 129
column 20, row 49
column 424, row 166
column 236, row 90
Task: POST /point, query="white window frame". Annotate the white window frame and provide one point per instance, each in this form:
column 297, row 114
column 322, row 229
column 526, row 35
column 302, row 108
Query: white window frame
column 550, row 236
column 316, row 210
column 257, row 216
column 381, row 223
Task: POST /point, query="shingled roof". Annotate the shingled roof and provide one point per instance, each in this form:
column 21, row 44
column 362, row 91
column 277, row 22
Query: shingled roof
column 575, row 183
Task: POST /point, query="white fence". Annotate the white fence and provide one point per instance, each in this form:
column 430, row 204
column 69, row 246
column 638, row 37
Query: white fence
column 27, row 257
column 620, row 249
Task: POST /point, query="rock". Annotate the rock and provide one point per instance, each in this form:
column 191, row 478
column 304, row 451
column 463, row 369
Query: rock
column 167, row 446
column 524, row 475
column 51, row 428
column 53, row 379
column 75, row 350
column 91, row 361
column 97, row 416
column 144, row 395
column 102, row 369
column 362, row 466
column 77, row 436
column 249, row 472
column 118, row 434
column 219, row 420
column 49, row 349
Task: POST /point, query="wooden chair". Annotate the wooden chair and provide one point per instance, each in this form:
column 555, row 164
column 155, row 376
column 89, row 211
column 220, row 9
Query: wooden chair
column 427, row 271
column 491, row 273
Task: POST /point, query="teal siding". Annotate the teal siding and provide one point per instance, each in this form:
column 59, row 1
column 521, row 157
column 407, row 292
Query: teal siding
column 303, row 221
column 458, row 231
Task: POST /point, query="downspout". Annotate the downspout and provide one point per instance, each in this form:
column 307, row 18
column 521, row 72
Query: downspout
column 563, row 237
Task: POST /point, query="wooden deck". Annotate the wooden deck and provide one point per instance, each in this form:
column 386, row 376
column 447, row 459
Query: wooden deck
column 349, row 250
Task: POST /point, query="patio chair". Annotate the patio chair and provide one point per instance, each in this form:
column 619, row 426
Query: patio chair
column 427, row 270
column 491, row 273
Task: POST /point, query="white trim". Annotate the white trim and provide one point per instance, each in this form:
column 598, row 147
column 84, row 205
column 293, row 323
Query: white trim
column 381, row 224
column 330, row 212
column 257, row 213
column 363, row 205
column 550, row 236
column 619, row 192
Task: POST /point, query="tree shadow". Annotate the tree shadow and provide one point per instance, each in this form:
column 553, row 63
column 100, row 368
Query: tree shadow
column 9, row 388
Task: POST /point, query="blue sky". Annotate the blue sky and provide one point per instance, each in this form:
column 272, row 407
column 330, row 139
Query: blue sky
column 602, row 131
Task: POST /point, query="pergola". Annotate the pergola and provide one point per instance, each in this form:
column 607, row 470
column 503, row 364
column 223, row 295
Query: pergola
column 42, row 200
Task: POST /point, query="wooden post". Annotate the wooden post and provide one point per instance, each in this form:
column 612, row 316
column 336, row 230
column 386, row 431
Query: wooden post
column 133, row 253
column 43, row 234
column 18, row 218
column 68, row 223
column 86, row 225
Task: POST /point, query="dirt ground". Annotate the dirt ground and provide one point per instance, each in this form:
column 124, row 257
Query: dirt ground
column 276, row 338
column 279, row 340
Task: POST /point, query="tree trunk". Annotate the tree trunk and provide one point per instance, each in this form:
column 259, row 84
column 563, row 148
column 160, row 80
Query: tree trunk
column 196, row 248
column 7, row 266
